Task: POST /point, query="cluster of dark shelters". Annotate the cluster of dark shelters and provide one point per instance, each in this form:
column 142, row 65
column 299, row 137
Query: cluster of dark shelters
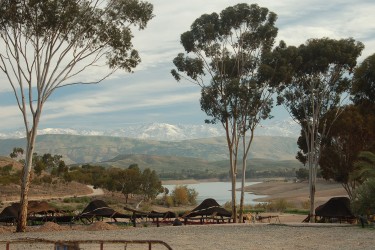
column 336, row 209
column 209, row 211
column 41, row 211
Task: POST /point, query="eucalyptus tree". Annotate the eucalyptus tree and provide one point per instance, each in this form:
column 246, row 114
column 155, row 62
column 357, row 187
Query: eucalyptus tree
column 316, row 76
column 47, row 43
column 224, row 58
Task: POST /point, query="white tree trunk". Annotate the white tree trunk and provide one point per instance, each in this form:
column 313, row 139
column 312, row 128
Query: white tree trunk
column 26, row 173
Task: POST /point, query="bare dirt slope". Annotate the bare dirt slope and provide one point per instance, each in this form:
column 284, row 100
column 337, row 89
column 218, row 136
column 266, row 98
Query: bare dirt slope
column 297, row 193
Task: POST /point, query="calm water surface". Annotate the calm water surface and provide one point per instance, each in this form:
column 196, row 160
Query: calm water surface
column 220, row 191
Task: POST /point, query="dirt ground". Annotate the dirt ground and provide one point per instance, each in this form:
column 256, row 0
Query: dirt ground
column 297, row 193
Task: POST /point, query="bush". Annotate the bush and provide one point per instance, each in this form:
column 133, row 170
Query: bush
column 168, row 201
column 84, row 199
column 305, row 204
column 279, row 205
column 363, row 202
column 182, row 195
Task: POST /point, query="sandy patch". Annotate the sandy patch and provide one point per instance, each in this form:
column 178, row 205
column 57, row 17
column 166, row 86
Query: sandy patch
column 297, row 193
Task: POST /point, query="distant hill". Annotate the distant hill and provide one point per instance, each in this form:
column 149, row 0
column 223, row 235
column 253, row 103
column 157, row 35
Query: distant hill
column 84, row 149
column 179, row 164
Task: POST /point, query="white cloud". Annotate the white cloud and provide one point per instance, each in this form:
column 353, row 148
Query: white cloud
column 152, row 88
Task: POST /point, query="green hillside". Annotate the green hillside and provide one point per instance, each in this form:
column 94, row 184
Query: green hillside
column 200, row 157
column 82, row 149
column 181, row 164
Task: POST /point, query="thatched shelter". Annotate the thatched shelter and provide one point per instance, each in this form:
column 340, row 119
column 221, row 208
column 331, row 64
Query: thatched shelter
column 36, row 210
column 9, row 215
column 209, row 209
column 336, row 208
column 99, row 209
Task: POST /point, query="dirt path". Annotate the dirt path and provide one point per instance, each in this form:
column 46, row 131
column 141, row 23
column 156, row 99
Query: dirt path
column 94, row 192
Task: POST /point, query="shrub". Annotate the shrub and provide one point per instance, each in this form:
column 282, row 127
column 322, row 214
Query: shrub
column 279, row 205
column 363, row 202
column 168, row 201
column 305, row 204
column 182, row 195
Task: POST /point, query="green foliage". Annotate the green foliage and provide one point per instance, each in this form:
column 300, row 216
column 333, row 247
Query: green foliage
column 150, row 184
column 8, row 176
column 168, row 201
column 50, row 163
column 6, row 170
column 352, row 132
column 127, row 181
column 363, row 89
column 16, row 153
column 302, row 174
column 182, row 195
column 363, row 201
column 84, row 199
column 364, row 167
column 296, row 211
column 279, row 205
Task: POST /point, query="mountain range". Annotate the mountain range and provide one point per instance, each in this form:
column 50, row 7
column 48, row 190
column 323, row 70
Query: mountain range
column 167, row 132
column 162, row 147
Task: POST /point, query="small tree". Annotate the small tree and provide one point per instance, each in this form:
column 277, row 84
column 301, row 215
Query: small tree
column 17, row 153
column 363, row 202
column 47, row 43
column 150, row 184
column 302, row 174
column 127, row 181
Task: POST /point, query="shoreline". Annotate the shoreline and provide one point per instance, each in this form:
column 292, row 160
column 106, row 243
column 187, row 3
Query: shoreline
column 295, row 193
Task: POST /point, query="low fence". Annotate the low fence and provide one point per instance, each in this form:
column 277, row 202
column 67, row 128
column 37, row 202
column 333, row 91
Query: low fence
column 77, row 244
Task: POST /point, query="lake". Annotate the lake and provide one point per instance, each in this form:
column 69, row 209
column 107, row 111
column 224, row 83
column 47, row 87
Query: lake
column 220, row 191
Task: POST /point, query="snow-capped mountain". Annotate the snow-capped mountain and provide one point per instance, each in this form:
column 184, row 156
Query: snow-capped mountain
column 169, row 132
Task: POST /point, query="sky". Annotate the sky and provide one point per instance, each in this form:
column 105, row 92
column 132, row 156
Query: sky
column 151, row 94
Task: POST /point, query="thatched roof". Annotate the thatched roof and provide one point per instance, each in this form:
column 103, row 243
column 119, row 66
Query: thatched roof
column 164, row 215
column 98, row 208
column 9, row 213
column 34, row 207
column 38, row 207
column 208, row 207
column 335, row 207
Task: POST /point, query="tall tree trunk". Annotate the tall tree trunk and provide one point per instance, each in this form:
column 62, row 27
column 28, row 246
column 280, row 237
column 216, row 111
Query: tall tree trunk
column 232, row 143
column 242, row 199
column 233, row 181
column 25, row 184
column 246, row 149
column 312, row 197
column 234, row 206
column 312, row 173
